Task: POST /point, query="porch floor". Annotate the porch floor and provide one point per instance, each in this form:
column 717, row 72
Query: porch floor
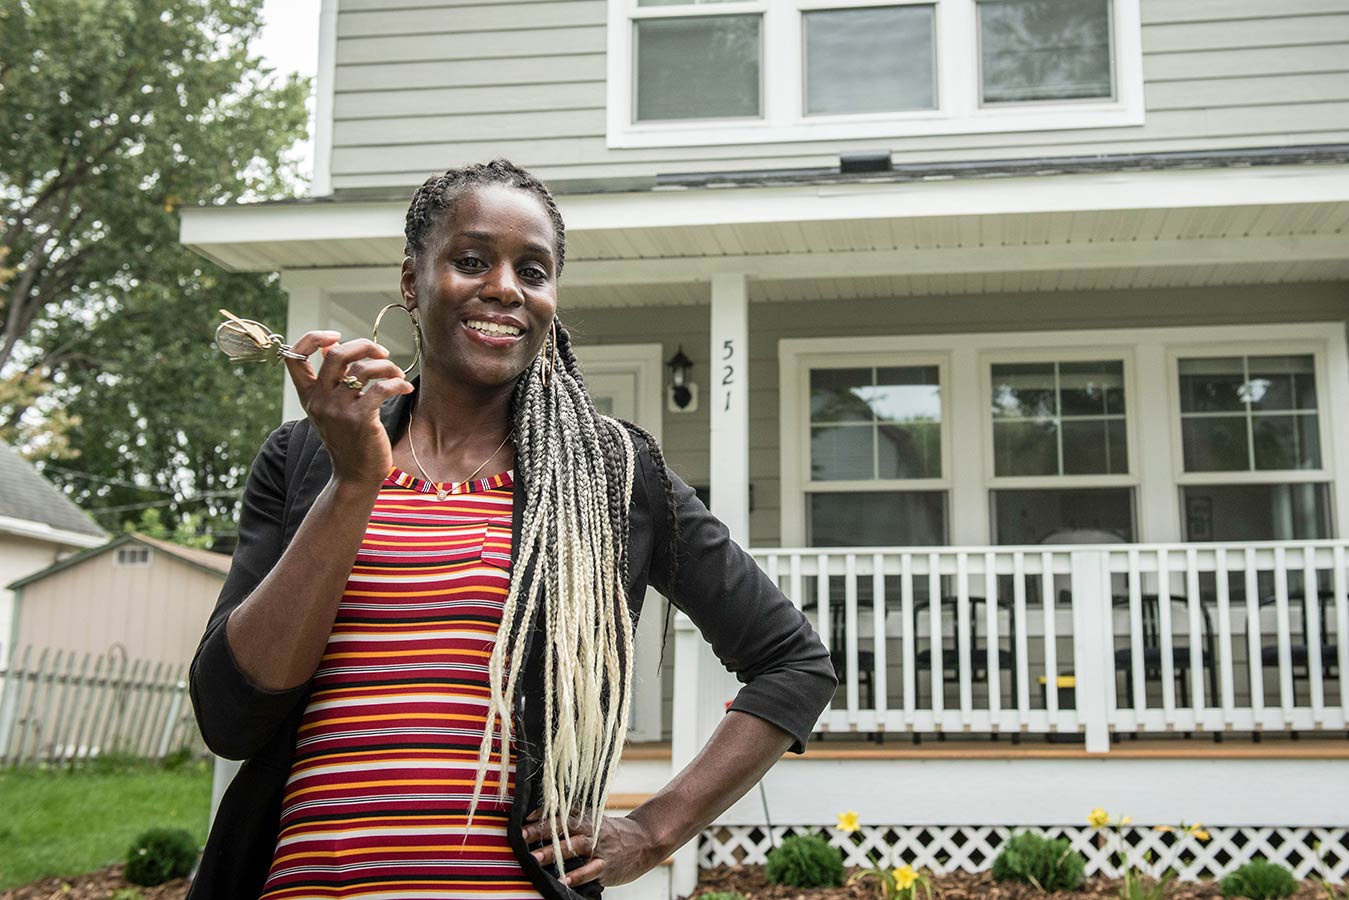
column 1199, row 747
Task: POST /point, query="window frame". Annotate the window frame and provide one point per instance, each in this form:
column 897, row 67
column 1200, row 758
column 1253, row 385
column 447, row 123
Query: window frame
column 989, row 359
column 1316, row 350
column 959, row 108
column 993, row 483
column 1151, row 376
column 809, row 486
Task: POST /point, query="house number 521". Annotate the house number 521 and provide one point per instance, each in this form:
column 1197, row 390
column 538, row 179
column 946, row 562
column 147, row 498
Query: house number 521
column 727, row 370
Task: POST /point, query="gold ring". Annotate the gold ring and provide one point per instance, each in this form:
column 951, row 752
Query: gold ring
column 353, row 382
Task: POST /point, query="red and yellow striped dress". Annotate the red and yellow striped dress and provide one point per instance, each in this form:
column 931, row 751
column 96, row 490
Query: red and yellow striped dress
column 377, row 801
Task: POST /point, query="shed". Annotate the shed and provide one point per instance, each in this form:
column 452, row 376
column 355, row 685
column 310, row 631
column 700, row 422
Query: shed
column 150, row 596
column 39, row 525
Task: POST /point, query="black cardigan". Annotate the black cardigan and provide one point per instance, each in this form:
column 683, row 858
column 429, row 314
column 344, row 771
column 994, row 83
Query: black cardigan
column 753, row 629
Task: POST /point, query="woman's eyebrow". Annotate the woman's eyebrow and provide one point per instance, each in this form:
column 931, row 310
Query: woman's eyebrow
column 531, row 246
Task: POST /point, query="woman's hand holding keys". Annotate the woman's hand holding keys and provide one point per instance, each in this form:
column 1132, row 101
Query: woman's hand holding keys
column 347, row 416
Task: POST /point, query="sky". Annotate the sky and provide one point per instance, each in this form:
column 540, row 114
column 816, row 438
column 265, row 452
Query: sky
column 290, row 43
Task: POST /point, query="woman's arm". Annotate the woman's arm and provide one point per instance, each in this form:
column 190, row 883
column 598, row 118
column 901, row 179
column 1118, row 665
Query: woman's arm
column 758, row 634
column 276, row 610
column 742, row 748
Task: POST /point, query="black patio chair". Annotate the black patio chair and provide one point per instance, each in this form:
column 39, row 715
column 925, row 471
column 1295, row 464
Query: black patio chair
column 1152, row 646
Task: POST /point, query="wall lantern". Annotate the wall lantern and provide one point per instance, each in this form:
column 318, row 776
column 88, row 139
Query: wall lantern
column 683, row 393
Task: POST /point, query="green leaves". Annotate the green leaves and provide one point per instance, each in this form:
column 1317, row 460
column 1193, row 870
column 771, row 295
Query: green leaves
column 114, row 113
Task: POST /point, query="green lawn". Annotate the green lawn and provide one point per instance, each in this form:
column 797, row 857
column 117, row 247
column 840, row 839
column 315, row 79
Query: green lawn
column 68, row 823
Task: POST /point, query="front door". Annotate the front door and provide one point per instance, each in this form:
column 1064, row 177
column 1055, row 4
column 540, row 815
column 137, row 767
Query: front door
column 625, row 382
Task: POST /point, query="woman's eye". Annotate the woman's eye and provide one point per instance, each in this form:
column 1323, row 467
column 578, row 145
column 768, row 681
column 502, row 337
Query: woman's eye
column 534, row 273
column 469, row 262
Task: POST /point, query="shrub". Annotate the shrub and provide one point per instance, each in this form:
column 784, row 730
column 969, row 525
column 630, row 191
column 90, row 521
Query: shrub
column 1259, row 880
column 160, row 855
column 1031, row 859
column 806, row 861
column 722, row 895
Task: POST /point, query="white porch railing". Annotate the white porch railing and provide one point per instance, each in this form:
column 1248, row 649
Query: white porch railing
column 1138, row 638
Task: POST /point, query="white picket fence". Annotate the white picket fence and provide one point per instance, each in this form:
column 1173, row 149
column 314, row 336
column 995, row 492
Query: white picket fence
column 59, row 707
column 1134, row 638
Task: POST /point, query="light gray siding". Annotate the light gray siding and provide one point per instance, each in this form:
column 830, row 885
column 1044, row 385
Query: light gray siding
column 425, row 84
column 686, row 434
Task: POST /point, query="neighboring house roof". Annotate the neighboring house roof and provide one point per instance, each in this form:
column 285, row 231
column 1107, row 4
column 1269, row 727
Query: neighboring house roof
column 33, row 506
column 204, row 560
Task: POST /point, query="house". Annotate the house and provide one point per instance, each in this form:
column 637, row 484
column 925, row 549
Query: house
column 1020, row 334
column 148, row 598
column 38, row 526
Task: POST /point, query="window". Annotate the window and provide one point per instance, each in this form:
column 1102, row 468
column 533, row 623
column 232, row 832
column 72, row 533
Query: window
column 700, row 72
column 1255, row 421
column 875, row 462
column 874, row 59
column 1053, row 421
column 1041, row 50
column 133, row 556
column 1248, row 413
column 697, row 67
column 1059, row 419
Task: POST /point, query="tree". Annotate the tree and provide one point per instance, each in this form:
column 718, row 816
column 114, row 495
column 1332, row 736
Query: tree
column 112, row 113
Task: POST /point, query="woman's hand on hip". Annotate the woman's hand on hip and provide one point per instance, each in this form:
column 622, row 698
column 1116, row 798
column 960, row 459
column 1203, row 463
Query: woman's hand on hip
column 623, row 852
column 347, row 418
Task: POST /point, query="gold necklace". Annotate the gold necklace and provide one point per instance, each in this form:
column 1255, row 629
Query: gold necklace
column 441, row 493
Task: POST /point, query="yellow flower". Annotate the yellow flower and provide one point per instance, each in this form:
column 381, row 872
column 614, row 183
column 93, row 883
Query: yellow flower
column 1126, row 820
column 904, row 877
column 1163, row 828
column 1201, row 834
column 847, row 822
column 1098, row 818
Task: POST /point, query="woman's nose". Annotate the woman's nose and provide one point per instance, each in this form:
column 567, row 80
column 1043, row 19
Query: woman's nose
column 503, row 286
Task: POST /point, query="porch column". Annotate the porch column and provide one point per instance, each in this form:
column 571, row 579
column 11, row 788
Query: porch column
column 703, row 687
column 306, row 310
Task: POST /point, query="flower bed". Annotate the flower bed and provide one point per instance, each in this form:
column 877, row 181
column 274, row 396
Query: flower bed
column 750, row 881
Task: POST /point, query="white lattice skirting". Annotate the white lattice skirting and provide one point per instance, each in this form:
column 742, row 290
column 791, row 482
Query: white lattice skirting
column 972, row 848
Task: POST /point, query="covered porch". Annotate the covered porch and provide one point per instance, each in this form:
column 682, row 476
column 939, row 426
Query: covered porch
column 1051, row 462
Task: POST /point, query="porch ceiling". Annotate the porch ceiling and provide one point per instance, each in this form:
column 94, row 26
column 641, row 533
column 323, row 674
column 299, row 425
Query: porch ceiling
column 1020, row 234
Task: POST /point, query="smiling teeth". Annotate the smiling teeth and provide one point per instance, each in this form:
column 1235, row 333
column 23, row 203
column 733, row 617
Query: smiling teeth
column 493, row 328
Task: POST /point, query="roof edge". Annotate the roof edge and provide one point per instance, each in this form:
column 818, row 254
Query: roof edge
column 120, row 540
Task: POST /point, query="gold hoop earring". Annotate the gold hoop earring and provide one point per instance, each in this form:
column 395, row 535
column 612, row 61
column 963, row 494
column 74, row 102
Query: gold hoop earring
column 416, row 333
column 551, row 363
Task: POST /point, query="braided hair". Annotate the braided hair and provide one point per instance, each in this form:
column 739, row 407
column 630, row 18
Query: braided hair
column 577, row 467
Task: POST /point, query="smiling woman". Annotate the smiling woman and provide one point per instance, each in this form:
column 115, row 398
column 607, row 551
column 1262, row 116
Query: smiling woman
column 430, row 675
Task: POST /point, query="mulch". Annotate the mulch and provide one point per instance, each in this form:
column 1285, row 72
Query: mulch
column 99, row 885
column 750, row 881
column 747, row 880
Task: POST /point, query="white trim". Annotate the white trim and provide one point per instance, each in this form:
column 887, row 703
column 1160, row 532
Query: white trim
column 1154, row 437
column 268, row 230
column 325, row 86
column 956, row 44
column 644, row 360
column 43, row 532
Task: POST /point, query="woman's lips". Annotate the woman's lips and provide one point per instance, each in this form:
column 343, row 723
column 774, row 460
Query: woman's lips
column 493, row 340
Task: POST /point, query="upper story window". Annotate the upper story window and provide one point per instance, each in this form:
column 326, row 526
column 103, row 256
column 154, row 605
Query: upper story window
column 699, row 72
column 1032, row 50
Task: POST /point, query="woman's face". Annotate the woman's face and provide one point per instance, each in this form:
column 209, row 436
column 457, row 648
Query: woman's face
column 485, row 286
